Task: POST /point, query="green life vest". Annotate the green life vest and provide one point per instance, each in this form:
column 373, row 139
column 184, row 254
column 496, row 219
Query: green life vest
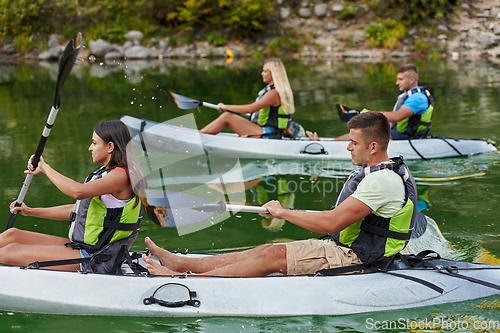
column 93, row 226
column 416, row 126
column 273, row 116
column 375, row 239
column 121, row 221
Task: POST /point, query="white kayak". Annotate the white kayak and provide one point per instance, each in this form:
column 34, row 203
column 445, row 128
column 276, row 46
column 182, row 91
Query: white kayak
column 73, row 293
column 159, row 137
column 70, row 293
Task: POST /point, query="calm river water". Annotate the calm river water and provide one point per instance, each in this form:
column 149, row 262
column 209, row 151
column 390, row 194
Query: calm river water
column 467, row 106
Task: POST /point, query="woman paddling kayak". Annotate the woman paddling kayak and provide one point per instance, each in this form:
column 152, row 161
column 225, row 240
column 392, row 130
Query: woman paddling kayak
column 106, row 216
column 271, row 113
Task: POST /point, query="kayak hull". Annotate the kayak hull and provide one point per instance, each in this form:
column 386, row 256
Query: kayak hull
column 71, row 293
column 165, row 137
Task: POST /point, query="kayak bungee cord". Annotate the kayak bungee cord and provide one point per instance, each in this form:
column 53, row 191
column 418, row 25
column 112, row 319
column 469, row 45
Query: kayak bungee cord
column 452, row 146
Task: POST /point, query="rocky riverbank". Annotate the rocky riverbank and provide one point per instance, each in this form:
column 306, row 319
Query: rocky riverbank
column 475, row 33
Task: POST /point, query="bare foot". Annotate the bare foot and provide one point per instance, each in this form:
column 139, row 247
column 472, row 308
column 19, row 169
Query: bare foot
column 162, row 254
column 312, row 136
column 155, row 268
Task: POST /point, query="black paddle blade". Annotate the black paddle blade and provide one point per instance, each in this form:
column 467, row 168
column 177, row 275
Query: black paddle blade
column 183, row 102
column 346, row 113
column 66, row 64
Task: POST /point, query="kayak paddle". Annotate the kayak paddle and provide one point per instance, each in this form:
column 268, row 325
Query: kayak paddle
column 175, row 209
column 66, row 64
column 346, row 113
column 186, row 103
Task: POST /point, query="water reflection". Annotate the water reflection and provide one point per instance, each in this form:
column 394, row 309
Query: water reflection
column 272, row 188
column 423, row 201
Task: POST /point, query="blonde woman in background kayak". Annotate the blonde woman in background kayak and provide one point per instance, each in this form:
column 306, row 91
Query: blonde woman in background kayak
column 271, row 113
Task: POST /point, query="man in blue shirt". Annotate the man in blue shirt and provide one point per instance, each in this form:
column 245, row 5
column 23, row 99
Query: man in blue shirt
column 411, row 115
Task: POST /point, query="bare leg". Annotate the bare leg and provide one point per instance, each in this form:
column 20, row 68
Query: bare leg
column 236, row 123
column 269, row 260
column 21, row 254
column 200, row 265
column 20, row 247
column 14, row 235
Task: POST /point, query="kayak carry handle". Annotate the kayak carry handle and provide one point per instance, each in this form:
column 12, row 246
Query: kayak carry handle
column 176, row 290
column 167, row 304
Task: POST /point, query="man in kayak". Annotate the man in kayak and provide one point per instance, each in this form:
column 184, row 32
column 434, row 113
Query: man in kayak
column 412, row 113
column 371, row 222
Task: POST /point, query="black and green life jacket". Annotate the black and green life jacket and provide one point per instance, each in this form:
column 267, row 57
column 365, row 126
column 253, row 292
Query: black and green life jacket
column 375, row 239
column 93, row 226
column 416, row 126
column 273, row 116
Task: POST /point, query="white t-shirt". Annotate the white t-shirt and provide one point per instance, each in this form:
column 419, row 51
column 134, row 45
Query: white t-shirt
column 383, row 191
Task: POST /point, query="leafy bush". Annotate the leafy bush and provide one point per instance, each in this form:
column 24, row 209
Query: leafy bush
column 115, row 34
column 111, row 19
column 242, row 17
column 215, row 38
column 18, row 16
column 414, row 12
column 23, row 43
column 386, row 34
column 99, row 18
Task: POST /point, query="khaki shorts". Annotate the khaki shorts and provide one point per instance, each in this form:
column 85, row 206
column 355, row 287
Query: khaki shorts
column 309, row 256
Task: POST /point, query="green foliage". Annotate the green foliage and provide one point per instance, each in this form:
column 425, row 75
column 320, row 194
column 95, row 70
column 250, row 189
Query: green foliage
column 348, row 13
column 278, row 46
column 23, row 43
column 173, row 41
column 115, row 34
column 414, row 12
column 111, row 19
column 421, row 45
column 215, row 38
column 18, row 16
column 434, row 55
column 95, row 31
column 189, row 20
column 242, row 17
column 108, row 19
column 290, row 41
column 273, row 48
column 387, row 34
